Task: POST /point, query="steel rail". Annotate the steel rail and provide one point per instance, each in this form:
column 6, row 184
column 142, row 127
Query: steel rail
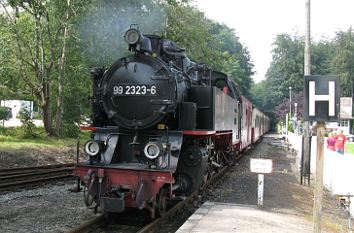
column 34, row 174
column 22, row 176
column 11, row 185
column 88, row 225
column 21, row 170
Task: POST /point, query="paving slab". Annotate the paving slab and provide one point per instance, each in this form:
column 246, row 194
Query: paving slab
column 225, row 217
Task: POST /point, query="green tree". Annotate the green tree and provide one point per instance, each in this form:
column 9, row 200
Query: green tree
column 342, row 63
column 209, row 42
column 49, row 47
column 37, row 33
column 236, row 58
column 286, row 69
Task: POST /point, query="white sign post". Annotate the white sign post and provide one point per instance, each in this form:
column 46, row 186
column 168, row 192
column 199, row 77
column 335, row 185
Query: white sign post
column 261, row 166
column 260, row 189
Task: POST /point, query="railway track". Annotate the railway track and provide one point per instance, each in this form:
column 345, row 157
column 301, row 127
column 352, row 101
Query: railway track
column 94, row 224
column 14, row 178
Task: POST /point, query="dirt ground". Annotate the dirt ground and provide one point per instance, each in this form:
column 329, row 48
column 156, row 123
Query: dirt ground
column 37, row 156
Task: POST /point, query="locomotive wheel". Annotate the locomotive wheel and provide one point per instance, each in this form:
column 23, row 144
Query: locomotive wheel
column 186, row 182
column 161, row 201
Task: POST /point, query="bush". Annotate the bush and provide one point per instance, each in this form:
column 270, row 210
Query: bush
column 71, row 130
column 5, row 113
column 28, row 128
column 9, row 131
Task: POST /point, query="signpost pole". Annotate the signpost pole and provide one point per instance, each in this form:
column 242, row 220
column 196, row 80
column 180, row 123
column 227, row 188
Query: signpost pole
column 260, row 189
column 317, row 210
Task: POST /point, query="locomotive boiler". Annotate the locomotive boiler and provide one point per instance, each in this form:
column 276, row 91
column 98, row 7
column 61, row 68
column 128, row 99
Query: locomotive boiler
column 161, row 126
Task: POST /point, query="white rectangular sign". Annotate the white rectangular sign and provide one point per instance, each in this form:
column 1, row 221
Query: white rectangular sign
column 261, row 165
column 346, row 108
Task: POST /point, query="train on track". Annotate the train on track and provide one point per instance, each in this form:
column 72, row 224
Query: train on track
column 162, row 125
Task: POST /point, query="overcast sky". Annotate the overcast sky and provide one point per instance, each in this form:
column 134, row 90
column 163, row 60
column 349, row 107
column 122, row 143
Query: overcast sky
column 257, row 22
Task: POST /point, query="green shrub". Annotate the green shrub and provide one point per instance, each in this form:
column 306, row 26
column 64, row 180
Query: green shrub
column 28, row 128
column 71, row 130
column 9, row 131
column 5, row 113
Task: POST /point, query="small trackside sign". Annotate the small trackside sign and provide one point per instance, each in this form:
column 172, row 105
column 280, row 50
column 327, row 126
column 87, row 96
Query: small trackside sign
column 263, row 166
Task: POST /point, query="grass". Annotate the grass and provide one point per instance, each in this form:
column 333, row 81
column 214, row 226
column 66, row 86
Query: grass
column 349, row 148
column 8, row 142
column 13, row 143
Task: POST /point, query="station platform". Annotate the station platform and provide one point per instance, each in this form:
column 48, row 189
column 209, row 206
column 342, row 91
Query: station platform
column 226, row 217
column 287, row 205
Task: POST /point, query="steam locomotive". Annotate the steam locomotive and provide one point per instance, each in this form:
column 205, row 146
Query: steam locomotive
column 162, row 125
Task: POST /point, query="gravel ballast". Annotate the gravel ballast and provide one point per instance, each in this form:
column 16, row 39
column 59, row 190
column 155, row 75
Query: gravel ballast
column 51, row 208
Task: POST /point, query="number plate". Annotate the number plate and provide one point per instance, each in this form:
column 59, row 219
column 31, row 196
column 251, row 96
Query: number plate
column 134, row 90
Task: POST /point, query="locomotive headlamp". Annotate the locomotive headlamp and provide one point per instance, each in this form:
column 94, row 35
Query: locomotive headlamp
column 152, row 150
column 92, row 147
column 132, row 36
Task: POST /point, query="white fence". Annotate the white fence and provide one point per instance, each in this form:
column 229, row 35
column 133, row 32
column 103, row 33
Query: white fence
column 338, row 169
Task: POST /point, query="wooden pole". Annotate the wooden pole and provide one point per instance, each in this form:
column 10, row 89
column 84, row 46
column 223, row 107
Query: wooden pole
column 307, row 54
column 307, row 71
column 318, row 192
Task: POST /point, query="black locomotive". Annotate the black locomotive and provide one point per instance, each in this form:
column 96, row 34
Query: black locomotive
column 162, row 125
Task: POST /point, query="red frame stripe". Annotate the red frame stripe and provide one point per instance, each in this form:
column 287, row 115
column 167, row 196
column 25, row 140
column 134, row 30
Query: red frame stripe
column 88, row 128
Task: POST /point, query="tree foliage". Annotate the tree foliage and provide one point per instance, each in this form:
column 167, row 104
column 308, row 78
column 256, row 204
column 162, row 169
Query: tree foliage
column 49, row 47
column 37, row 32
column 283, row 108
column 342, row 62
column 209, row 42
column 286, row 69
